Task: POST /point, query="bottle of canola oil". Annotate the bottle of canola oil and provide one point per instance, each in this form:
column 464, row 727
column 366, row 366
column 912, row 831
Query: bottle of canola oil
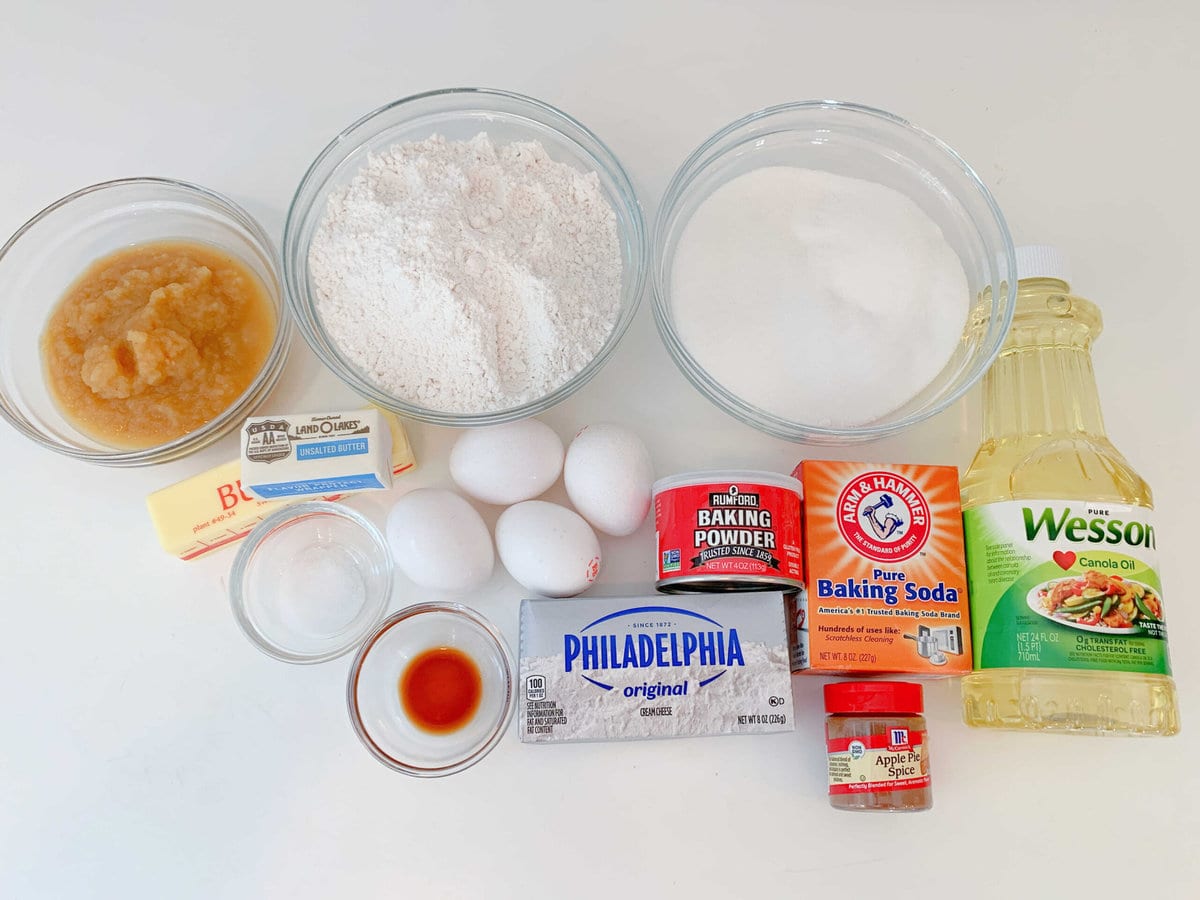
column 1068, row 618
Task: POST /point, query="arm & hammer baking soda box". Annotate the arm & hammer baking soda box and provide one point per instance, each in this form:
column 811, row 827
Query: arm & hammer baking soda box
column 885, row 572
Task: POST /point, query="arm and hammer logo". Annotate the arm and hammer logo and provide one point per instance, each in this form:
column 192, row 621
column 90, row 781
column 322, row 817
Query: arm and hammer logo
column 268, row 441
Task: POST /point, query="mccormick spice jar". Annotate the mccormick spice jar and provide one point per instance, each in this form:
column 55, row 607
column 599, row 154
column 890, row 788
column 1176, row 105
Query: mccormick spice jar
column 730, row 530
column 875, row 743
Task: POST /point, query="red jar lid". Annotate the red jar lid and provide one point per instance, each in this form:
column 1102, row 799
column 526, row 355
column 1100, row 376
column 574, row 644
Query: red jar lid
column 843, row 697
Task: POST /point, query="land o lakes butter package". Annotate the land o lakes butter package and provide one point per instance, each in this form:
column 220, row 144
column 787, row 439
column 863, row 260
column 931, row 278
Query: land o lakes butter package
column 603, row 668
column 312, row 455
column 212, row 510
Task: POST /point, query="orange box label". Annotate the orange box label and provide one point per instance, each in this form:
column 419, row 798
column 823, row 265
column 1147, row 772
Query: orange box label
column 885, row 577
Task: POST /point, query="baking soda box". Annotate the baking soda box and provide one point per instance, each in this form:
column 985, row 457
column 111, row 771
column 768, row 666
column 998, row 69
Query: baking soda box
column 885, row 577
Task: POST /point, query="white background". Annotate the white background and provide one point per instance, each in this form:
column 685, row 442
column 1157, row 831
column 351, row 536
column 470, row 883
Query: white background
column 147, row 750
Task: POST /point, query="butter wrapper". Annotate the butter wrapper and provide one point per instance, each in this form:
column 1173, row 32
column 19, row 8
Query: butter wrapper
column 612, row 669
column 212, row 510
column 314, row 455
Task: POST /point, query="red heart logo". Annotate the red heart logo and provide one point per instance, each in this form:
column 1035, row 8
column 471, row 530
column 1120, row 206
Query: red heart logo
column 1064, row 558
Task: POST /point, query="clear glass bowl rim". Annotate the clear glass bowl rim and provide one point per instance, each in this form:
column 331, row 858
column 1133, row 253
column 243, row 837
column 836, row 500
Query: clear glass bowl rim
column 261, row 533
column 308, row 320
column 999, row 321
column 266, row 379
column 497, row 735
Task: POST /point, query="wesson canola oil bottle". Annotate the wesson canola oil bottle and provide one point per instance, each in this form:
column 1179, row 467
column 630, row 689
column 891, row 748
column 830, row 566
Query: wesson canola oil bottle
column 1067, row 611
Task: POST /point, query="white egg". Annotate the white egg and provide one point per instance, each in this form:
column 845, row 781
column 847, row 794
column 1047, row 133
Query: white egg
column 440, row 541
column 609, row 478
column 505, row 464
column 548, row 548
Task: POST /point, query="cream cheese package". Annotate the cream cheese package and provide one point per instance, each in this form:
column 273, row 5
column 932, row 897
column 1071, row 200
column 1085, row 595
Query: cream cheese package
column 313, row 455
column 611, row 669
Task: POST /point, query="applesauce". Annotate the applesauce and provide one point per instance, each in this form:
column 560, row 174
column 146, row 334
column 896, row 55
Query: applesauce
column 155, row 340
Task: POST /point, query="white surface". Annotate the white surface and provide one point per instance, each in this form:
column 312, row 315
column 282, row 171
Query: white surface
column 147, row 750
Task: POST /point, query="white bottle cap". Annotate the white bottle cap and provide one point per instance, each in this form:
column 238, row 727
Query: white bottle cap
column 1042, row 261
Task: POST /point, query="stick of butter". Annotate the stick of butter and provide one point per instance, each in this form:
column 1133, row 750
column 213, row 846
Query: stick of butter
column 312, row 455
column 212, row 509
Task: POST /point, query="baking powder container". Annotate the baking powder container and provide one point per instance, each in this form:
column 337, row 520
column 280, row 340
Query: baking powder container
column 728, row 530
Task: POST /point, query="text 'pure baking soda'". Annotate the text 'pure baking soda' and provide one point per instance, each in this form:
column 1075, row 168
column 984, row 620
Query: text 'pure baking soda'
column 885, row 579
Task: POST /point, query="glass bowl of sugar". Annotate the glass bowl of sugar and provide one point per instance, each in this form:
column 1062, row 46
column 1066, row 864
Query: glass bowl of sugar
column 310, row 582
column 465, row 257
column 830, row 273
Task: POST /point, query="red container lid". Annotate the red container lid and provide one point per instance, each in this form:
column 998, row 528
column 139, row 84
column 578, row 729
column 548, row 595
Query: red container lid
column 842, row 697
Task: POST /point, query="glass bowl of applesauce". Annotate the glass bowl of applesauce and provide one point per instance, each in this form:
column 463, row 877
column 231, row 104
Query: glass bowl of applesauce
column 140, row 320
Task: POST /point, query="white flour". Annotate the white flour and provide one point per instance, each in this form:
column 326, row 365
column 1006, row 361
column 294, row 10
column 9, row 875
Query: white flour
column 823, row 299
column 465, row 276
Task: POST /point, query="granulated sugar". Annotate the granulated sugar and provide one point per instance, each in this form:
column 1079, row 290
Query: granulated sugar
column 468, row 276
column 823, row 299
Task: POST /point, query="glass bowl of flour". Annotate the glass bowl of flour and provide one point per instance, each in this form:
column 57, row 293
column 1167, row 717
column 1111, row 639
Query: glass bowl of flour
column 830, row 273
column 465, row 257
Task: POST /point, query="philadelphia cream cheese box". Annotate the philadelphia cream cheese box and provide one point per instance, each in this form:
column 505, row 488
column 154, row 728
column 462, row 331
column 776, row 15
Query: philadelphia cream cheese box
column 604, row 668
column 310, row 455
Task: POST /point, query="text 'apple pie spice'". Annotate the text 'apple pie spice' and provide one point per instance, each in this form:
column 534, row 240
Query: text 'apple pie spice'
column 875, row 744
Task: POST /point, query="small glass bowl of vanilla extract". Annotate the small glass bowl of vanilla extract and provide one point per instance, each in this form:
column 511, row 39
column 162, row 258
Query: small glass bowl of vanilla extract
column 431, row 691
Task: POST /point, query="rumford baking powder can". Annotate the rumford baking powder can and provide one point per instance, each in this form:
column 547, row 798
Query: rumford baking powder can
column 728, row 530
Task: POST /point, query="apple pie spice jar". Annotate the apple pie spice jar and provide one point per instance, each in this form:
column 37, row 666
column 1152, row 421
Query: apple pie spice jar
column 875, row 743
